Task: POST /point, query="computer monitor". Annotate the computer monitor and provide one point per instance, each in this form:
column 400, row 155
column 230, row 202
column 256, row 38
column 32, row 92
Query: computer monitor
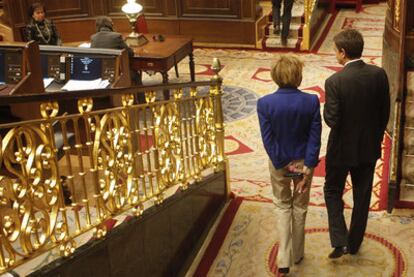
column 85, row 68
column 44, row 61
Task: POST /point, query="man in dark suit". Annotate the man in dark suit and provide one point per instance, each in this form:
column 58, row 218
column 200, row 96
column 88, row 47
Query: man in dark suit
column 287, row 16
column 357, row 110
column 106, row 37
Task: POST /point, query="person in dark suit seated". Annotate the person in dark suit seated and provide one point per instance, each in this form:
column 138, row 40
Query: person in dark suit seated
column 105, row 36
column 290, row 125
column 39, row 28
column 357, row 110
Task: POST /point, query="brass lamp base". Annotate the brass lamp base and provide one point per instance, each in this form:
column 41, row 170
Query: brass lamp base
column 135, row 40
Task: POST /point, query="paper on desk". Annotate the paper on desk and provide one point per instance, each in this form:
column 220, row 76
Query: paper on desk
column 85, row 85
column 47, row 81
column 85, row 45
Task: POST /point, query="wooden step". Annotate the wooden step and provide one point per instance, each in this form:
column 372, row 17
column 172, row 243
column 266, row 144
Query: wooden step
column 295, row 31
column 275, row 43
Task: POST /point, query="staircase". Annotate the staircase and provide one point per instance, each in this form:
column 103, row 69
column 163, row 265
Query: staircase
column 273, row 42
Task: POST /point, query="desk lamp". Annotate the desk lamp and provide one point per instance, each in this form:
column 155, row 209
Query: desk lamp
column 132, row 10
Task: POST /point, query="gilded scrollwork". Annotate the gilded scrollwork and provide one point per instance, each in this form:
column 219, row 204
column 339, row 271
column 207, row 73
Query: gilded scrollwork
column 30, row 195
column 205, row 129
column 168, row 142
column 109, row 162
column 114, row 161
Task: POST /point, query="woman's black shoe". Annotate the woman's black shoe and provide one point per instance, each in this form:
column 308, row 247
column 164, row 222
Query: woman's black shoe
column 283, row 270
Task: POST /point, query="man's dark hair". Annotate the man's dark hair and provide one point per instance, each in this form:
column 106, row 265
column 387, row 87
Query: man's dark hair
column 103, row 22
column 351, row 41
column 34, row 6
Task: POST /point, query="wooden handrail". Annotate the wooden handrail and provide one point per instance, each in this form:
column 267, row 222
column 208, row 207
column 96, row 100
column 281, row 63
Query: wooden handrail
column 96, row 93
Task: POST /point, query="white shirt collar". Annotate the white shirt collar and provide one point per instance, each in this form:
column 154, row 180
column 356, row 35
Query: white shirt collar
column 351, row 61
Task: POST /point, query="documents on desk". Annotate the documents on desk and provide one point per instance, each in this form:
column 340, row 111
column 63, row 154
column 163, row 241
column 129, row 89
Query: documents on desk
column 85, row 85
column 47, row 81
column 85, row 45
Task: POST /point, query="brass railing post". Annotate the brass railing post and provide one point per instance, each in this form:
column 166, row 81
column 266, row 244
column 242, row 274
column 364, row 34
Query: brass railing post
column 217, row 92
column 306, row 27
column 309, row 6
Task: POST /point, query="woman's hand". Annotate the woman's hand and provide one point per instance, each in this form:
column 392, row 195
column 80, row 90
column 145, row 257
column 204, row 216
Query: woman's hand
column 305, row 183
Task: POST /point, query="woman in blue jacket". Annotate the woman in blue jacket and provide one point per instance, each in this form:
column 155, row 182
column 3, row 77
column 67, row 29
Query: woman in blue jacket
column 290, row 125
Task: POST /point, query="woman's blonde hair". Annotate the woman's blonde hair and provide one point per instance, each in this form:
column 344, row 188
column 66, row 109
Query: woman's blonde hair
column 287, row 71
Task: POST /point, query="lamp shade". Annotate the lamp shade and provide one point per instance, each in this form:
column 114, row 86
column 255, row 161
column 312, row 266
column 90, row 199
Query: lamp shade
column 132, row 7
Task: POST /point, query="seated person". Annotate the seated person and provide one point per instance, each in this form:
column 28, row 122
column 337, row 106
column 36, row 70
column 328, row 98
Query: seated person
column 39, row 28
column 106, row 37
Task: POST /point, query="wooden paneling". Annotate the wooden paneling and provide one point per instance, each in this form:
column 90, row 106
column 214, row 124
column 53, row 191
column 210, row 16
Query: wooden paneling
column 410, row 18
column 67, row 8
column 209, row 8
column 154, row 7
column 171, row 8
column 247, row 8
column 230, row 32
column 216, row 21
column 76, row 30
column 151, row 7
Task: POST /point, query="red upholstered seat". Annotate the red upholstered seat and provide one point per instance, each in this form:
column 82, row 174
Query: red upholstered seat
column 141, row 25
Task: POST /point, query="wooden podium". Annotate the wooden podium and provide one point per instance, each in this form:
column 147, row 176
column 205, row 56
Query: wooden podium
column 25, row 66
column 22, row 71
column 22, row 74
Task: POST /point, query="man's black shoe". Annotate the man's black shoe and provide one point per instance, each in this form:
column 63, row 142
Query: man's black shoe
column 284, row 41
column 276, row 29
column 338, row 252
column 353, row 252
column 284, row 270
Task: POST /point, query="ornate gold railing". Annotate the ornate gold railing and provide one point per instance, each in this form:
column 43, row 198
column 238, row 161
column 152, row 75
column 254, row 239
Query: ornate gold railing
column 309, row 6
column 111, row 161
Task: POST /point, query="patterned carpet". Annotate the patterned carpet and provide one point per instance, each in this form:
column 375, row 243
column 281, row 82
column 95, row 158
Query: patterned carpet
column 245, row 241
column 246, row 245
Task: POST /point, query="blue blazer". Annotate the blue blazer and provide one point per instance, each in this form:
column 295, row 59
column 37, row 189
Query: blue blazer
column 290, row 124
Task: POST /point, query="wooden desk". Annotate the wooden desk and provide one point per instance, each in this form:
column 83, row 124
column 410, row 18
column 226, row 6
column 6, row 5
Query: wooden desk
column 161, row 56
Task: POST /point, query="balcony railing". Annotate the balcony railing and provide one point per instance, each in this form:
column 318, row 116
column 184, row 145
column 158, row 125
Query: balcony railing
column 309, row 6
column 66, row 174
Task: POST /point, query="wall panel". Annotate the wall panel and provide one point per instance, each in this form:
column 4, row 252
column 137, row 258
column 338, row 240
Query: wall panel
column 216, row 21
column 209, row 8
